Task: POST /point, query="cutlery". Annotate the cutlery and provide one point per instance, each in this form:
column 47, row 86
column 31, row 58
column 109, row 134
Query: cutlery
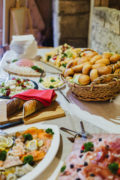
column 11, row 124
column 63, row 94
column 84, row 133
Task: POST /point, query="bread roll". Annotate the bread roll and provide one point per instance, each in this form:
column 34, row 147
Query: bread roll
column 14, row 105
column 71, row 63
column 84, row 79
column 95, row 66
column 68, row 72
column 86, row 68
column 114, row 58
column 83, row 59
column 95, row 58
column 77, row 68
column 91, row 54
column 103, row 60
column 93, row 74
column 107, row 55
column 104, row 70
column 117, row 71
column 32, row 106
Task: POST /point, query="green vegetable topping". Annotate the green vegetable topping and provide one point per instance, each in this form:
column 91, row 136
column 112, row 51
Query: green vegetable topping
column 52, row 80
column 113, row 167
column 2, row 84
column 28, row 159
column 64, row 65
column 36, row 68
column 3, row 155
column 49, row 131
column 48, row 58
column 63, row 168
column 27, row 137
column 14, row 60
column 40, row 80
column 88, row 146
column 51, row 87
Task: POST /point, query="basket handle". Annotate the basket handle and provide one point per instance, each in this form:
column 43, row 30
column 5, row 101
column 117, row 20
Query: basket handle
column 105, row 78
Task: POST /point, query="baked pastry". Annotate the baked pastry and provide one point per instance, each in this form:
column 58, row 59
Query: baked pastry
column 33, row 106
column 14, row 105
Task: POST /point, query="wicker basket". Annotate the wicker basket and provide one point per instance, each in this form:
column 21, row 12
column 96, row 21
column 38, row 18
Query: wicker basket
column 103, row 88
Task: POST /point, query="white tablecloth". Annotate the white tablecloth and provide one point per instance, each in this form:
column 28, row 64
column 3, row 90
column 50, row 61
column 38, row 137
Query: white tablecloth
column 92, row 123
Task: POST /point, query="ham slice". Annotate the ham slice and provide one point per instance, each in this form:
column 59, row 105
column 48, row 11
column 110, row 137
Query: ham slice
column 25, row 63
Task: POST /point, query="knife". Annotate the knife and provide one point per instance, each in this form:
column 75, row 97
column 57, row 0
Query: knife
column 12, row 124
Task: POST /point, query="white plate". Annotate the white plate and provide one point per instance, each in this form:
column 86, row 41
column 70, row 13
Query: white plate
column 43, row 87
column 42, row 165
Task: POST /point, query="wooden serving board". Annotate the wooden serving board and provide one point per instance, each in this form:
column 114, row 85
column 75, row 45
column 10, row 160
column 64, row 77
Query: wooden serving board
column 48, row 113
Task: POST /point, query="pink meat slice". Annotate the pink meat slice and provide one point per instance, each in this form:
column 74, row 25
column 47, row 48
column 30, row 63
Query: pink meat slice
column 25, row 63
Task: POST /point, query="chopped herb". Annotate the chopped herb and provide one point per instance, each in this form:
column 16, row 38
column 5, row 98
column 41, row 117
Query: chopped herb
column 36, row 68
column 27, row 137
column 28, row 159
column 14, row 60
column 3, row 155
column 3, row 84
column 63, row 168
column 113, row 167
column 52, row 80
column 88, row 146
column 64, row 65
column 48, row 58
column 65, row 55
column 51, row 87
column 49, row 131
column 40, row 80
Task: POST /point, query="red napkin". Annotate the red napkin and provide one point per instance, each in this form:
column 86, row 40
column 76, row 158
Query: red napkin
column 44, row 96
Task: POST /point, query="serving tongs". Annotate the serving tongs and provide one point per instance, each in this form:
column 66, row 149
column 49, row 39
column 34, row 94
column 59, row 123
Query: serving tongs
column 83, row 134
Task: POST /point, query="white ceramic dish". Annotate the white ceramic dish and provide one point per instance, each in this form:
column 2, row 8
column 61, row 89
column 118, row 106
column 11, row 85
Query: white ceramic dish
column 42, row 165
column 43, row 87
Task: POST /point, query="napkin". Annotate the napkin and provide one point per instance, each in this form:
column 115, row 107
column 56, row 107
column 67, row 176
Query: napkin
column 44, row 96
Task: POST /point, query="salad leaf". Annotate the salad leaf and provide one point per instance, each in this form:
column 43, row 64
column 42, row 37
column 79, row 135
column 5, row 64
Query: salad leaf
column 49, row 131
column 36, row 68
column 88, row 146
column 28, row 159
column 48, row 58
column 113, row 167
column 63, row 168
column 14, row 60
column 3, row 155
column 51, row 87
column 27, row 137
column 52, row 80
column 40, row 80
column 64, row 65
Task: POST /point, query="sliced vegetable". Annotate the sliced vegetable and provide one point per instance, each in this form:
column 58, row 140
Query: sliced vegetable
column 64, row 65
column 28, row 159
column 3, row 155
column 49, row 131
column 27, row 137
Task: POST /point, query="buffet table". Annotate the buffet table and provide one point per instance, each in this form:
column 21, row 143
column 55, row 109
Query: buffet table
column 92, row 121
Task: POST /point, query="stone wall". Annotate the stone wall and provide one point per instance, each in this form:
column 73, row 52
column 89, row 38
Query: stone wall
column 105, row 35
column 71, row 22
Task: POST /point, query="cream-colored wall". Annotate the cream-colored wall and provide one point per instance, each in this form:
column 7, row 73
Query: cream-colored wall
column 7, row 5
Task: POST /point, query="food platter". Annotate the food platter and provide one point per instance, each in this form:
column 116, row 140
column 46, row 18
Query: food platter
column 10, row 83
column 40, row 167
column 51, row 82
